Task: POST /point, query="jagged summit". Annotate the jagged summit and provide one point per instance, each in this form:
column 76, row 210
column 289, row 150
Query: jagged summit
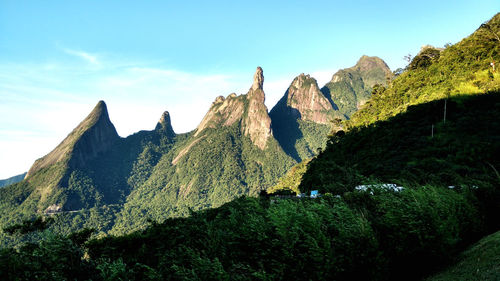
column 165, row 125
column 258, row 79
column 303, row 99
column 299, row 116
column 92, row 136
column 223, row 112
column 257, row 123
column 248, row 110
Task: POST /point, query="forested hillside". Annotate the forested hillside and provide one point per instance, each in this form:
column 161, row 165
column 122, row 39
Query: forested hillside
column 437, row 123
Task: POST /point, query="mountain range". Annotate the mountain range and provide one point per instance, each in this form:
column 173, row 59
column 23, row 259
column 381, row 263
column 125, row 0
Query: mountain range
column 239, row 148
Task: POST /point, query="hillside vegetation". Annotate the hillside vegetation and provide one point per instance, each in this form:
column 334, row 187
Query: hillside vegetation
column 480, row 262
column 437, row 123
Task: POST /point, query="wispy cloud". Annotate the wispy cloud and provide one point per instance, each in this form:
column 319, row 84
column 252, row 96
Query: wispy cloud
column 90, row 58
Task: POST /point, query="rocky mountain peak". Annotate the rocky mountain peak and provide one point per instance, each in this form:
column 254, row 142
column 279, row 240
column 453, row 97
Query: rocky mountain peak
column 300, row 80
column 224, row 111
column 258, row 79
column 165, row 125
column 248, row 109
column 304, row 100
column 219, row 99
column 373, row 70
column 366, row 63
column 257, row 124
column 351, row 87
column 94, row 135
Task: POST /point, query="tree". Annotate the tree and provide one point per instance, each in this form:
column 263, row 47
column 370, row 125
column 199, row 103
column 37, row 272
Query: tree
column 397, row 72
column 487, row 27
column 408, row 58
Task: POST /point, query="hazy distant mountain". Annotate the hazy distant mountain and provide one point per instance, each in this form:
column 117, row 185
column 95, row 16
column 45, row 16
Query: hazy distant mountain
column 12, row 180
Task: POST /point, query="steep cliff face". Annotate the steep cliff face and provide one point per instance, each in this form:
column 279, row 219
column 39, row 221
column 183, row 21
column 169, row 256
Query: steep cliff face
column 304, row 100
column 231, row 153
column 350, row 88
column 94, row 135
column 223, row 112
column 257, row 122
column 301, row 118
column 248, row 110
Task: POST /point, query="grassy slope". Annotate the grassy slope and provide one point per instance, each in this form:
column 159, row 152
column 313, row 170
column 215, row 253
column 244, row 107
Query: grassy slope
column 480, row 262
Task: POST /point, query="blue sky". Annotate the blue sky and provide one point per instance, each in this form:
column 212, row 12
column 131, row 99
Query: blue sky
column 59, row 58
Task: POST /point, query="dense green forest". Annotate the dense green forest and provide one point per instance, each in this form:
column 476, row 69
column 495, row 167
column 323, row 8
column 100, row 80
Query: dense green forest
column 432, row 130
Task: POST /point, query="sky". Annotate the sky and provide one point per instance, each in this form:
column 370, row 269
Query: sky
column 59, row 58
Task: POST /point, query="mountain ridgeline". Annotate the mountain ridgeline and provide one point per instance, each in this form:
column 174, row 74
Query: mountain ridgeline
column 98, row 179
column 12, row 180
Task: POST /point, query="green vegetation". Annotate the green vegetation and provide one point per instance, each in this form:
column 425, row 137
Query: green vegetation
column 352, row 87
column 384, row 236
column 463, row 68
column 223, row 165
column 416, row 148
column 479, row 262
column 291, row 180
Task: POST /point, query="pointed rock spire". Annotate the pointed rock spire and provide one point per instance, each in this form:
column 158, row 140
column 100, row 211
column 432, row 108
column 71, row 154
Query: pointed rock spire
column 165, row 125
column 257, row 124
column 94, row 135
column 249, row 110
column 258, row 79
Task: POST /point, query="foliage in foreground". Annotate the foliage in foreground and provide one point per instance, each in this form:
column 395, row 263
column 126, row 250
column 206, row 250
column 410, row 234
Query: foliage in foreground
column 363, row 236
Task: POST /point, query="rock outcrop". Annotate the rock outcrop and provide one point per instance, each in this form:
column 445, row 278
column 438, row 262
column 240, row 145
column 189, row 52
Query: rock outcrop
column 94, row 135
column 248, row 110
column 373, row 70
column 164, row 125
column 223, row 112
column 302, row 114
column 257, row 123
column 304, row 100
